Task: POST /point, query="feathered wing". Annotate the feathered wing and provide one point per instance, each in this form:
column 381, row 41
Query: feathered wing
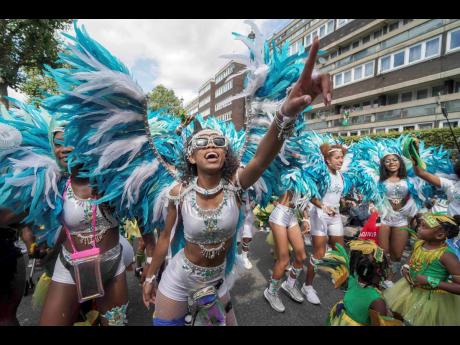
column 108, row 125
column 337, row 263
column 31, row 181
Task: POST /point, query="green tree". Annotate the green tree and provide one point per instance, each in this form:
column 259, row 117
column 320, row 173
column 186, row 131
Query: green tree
column 37, row 86
column 162, row 97
column 26, row 44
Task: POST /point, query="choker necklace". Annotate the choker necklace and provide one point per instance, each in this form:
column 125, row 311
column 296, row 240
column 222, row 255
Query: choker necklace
column 207, row 192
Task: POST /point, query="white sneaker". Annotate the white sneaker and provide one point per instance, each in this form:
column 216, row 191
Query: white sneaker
column 274, row 301
column 386, row 284
column 247, row 264
column 311, row 294
column 293, row 292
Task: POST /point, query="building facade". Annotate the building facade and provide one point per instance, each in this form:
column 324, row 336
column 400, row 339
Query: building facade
column 388, row 74
column 214, row 96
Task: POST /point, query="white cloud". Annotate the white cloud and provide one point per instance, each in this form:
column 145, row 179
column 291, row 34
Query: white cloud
column 185, row 51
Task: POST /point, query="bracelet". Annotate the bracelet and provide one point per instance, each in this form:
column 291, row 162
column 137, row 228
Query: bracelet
column 148, row 260
column 285, row 125
column 150, row 280
column 434, row 282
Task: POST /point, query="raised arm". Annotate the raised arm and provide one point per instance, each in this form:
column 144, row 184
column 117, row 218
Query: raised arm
column 425, row 175
column 304, row 91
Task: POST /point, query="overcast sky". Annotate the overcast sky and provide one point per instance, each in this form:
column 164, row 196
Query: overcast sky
column 181, row 54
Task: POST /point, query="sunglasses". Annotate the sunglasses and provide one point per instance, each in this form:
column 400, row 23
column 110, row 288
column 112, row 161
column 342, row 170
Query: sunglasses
column 391, row 160
column 202, row 142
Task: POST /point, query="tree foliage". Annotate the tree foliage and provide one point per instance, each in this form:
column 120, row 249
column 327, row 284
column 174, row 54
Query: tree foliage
column 163, row 98
column 26, row 45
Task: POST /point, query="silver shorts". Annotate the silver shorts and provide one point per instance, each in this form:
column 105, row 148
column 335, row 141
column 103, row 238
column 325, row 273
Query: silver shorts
column 396, row 220
column 324, row 225
column 63, row 275
column 181, row 278
column 284, row 216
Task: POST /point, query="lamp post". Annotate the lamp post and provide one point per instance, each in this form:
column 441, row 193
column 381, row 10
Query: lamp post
column 446, row 115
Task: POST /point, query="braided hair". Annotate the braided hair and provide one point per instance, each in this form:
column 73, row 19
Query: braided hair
column 366, row 268
column 451, row 230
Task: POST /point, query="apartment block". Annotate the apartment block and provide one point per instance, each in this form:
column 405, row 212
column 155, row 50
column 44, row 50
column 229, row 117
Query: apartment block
column 388, row 74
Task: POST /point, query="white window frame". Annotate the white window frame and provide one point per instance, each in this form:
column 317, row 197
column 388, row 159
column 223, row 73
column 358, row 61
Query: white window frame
column 352, row 70
column 205, row 89
column 226, row 116
column 224, row 74
column 406, row 56
column 346, row 21
column 449, row 34
column 380, row 130
column 204, row 101
column 206, row 112
column 222, row 104
column 224, row 88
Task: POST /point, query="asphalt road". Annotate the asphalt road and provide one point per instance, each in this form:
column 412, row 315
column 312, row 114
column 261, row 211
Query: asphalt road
column 250, row 306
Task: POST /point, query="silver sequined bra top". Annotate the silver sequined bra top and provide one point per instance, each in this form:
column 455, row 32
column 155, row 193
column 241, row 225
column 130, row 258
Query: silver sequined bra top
column 396, row 190
column 77, row 215
column 209, row 226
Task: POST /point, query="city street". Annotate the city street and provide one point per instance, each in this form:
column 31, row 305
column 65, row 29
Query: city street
column 247, row 296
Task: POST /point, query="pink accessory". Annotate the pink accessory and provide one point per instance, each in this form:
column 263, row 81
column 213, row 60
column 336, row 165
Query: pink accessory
column 88, row 252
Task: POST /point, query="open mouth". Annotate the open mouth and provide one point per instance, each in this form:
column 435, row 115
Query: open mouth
column 211, row 156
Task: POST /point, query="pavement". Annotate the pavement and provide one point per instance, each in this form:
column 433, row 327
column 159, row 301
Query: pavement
column 250, row 306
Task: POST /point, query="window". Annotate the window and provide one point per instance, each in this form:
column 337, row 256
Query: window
column 380, row 130
column 432, row 47
column 422, row 94
column 406, row 96
column 393, row 129
column 415, row 53
column 428, row 125
column 224, row 88
column 393, row 26
column 204, row 101
column 307, row 40
column 457, row 86
column 454, row 124
column 344, row 49
column 355, row 74
column 330, row 26
column 338, row 79
column 206, row 112
column 322, row 31
column 369, row 69
column 355, row 44
column 365, row 132
column 436, row 90
column 384, row 29
column 226, row 116
column 385, row 63
column 342, row 22
column 392, row 99
column 408, row 128
column 453, row 40
column 398, row 59
column 352, row 133
column 366, row 39
column 205, row 89
column 225, row 73
column 358, row 73
column 223, row 104
column 347, row 77
column 407, row 21
column 377, row 34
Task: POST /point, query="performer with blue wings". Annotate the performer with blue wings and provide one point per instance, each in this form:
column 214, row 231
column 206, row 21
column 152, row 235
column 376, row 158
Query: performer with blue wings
column 385, row 175
column 195, row 200
column 326, row 165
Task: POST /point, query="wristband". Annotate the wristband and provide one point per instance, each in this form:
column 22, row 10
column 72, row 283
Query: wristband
column 434, row 282
column 150, row 280
column 148, row 260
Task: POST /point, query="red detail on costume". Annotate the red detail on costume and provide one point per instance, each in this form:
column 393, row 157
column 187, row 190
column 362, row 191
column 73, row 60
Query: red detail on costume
column 370, row 229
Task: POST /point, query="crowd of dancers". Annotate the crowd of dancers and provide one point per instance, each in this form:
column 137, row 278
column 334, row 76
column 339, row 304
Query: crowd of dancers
column 93, row 165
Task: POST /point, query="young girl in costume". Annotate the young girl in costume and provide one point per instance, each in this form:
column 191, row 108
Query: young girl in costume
column 428, row 293
column 362, row 272
column 326, row 222
column 286, row 231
